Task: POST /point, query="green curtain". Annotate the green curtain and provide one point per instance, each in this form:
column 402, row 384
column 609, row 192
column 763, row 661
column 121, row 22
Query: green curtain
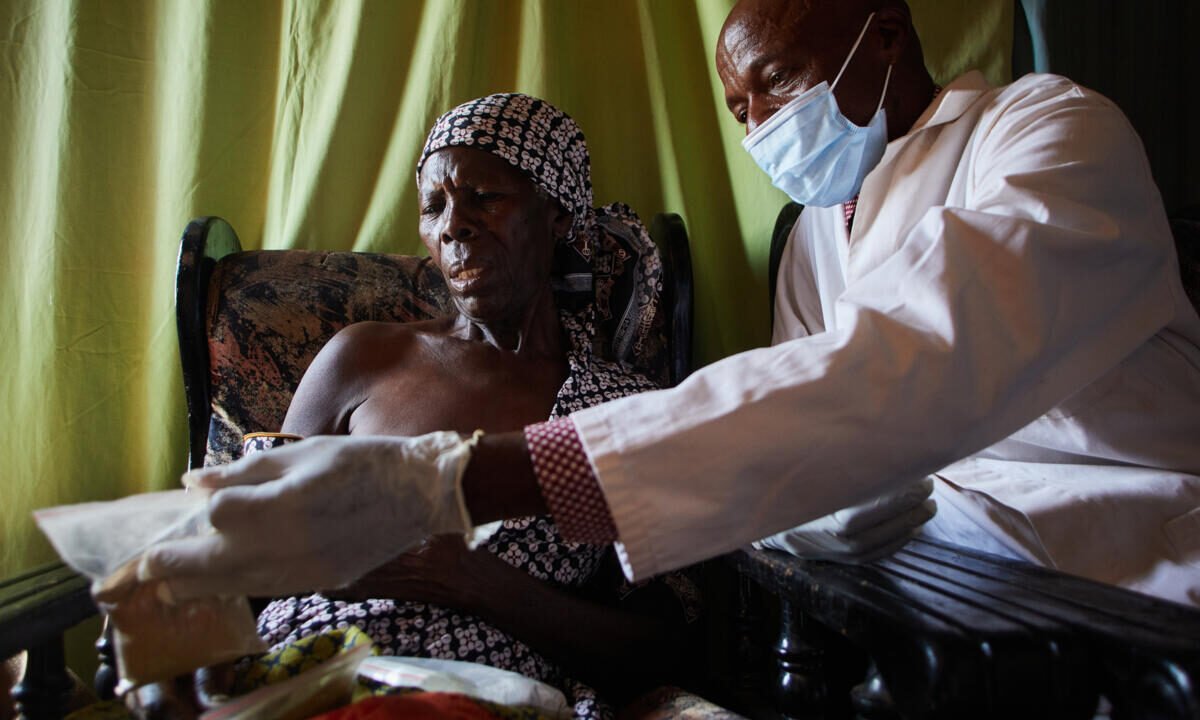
column 299, row 121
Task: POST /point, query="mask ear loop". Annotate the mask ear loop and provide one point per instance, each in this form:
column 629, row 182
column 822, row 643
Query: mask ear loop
column 853, row 50
column 883, row 95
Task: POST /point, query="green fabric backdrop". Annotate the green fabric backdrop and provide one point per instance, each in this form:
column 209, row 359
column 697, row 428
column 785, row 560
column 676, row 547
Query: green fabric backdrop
column 299, row 122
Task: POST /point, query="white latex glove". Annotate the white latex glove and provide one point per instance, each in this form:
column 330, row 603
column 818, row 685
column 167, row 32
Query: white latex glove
column 316, row 514
column 861, row 533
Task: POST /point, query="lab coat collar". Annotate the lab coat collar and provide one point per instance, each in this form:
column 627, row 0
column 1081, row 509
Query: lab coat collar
column 948, row 106
column 953, row 100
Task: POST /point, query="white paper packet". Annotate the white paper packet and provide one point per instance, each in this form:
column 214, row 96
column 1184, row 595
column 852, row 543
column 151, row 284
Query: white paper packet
column 156, row 638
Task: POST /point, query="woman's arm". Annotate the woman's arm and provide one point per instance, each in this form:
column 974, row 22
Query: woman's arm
column 499, row 481
column 331, row 387
column 606, row 646
column 611, row 647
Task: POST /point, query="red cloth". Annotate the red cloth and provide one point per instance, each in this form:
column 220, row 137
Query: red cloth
column 413, row 706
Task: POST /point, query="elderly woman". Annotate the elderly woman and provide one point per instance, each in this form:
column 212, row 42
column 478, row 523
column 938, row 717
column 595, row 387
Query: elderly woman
column 506, row 213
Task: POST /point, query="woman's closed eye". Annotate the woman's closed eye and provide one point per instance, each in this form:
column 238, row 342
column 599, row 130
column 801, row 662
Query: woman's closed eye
column 432, row 207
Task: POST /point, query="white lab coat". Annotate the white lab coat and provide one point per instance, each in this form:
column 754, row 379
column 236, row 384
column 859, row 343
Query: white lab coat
column 1007, row 313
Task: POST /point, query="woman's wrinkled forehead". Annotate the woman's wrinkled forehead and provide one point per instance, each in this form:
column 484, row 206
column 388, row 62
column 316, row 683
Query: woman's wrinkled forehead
column 530, row 134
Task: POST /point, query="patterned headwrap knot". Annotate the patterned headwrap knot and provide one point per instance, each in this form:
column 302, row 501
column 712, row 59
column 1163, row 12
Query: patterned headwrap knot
column 535, row 137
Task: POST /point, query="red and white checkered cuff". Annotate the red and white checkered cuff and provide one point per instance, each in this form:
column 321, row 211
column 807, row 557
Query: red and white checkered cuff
column 568, row 484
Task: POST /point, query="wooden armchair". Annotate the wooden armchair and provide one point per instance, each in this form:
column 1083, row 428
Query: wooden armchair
column 244, row 347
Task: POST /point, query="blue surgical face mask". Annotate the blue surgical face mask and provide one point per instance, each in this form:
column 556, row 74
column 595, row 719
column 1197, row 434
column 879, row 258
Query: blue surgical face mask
column 812, row 151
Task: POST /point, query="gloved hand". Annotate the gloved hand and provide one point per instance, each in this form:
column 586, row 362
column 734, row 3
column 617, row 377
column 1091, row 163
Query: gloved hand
column 315, row 514
column 861, row 533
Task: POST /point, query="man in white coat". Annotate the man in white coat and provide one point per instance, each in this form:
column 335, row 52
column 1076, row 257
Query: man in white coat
column 983, row 288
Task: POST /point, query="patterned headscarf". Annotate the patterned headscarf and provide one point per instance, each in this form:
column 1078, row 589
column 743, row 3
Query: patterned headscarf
column 607, row 273
column 535, row 137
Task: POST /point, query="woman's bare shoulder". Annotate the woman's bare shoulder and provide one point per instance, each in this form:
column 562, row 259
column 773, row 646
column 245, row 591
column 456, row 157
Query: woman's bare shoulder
column 374, row 341
column 348, row 368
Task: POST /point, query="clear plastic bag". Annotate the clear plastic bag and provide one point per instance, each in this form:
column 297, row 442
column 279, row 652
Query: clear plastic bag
column 156, row 637
column 323, row 687
column 473, row 679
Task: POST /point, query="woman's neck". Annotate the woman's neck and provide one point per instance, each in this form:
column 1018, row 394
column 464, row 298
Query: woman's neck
column 534, row 333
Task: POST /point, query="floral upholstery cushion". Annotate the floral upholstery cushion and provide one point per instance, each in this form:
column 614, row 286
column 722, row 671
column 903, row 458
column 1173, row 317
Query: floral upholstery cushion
column 269, row 313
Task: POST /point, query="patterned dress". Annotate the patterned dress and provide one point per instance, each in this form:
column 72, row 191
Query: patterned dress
column 532, row 544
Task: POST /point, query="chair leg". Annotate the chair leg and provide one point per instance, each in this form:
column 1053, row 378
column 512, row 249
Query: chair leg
column 106, row 674
column 11, row 671
column 46, row 687
column 802, row 688
column 816, row 668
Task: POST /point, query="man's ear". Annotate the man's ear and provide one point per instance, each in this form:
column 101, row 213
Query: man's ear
column 895, row 31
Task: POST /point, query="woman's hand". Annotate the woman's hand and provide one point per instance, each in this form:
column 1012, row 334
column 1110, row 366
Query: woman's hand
column 185, row 697
column 441, row 571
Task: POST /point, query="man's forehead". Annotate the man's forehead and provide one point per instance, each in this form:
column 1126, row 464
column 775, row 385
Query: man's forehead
column 757, row 26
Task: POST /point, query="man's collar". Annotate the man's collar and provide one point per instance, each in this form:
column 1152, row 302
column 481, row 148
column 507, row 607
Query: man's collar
column 953, row 100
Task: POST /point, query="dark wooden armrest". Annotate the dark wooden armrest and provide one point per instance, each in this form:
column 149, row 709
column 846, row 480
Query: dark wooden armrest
column 944, row 631
column 670, row 235
column 41, row 605
column 36, row 608
column 205, row 241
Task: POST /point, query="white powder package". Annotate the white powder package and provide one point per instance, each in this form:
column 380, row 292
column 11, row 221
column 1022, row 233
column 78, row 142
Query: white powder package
column 156, row 637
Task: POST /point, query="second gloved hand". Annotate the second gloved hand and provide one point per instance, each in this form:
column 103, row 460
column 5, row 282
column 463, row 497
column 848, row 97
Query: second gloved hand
column 316, row 514
column 864, row 532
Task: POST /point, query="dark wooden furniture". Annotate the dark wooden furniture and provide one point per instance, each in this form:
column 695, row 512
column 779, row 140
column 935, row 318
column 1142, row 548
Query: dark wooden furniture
column 36, row 609
column 670, row 236
column 942, row 631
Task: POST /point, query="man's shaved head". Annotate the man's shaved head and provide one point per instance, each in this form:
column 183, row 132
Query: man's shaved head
column 761, row 18
column 770, row 51
column 751, row 16
column 790, row 15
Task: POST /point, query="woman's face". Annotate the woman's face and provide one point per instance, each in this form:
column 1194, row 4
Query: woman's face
column 489, row 229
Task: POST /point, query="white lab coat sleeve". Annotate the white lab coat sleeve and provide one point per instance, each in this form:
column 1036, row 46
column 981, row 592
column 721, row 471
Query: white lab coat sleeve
column 984, row 318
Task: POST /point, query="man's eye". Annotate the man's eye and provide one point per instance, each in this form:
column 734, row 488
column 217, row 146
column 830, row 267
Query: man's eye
column 777, row 79
column 741, row 116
